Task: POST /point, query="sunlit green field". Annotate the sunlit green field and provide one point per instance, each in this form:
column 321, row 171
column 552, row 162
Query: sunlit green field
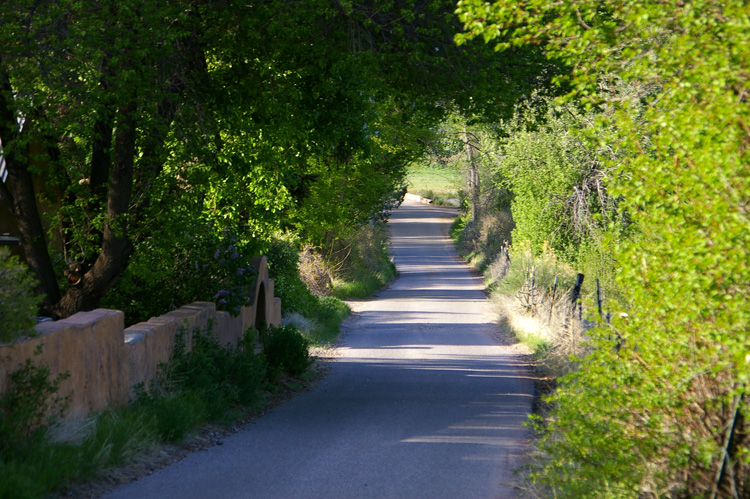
column 434, row 181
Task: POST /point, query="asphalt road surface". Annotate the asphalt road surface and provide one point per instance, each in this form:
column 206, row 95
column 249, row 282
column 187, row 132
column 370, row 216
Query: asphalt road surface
column 421, row 402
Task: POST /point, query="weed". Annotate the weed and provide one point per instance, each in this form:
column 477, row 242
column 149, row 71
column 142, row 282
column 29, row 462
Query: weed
column 29, row 405
column 204, row 382
column 546, row 267
column 331, row 313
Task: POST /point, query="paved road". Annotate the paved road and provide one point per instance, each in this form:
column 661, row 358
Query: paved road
column 421, row 401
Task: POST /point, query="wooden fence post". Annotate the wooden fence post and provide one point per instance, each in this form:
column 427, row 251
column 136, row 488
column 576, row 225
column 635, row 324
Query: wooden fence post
column 552, row 304
column 577, row 295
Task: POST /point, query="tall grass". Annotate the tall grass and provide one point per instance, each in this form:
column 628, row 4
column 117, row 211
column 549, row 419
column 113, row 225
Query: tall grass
column 364, row 265
column 480, row 241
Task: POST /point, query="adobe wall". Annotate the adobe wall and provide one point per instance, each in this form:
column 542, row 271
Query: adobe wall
column 105, row 360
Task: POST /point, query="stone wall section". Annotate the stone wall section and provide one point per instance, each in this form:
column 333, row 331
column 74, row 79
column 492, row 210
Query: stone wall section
column 106, row 361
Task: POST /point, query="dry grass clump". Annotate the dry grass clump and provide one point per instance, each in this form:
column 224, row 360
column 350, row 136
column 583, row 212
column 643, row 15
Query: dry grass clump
column 495, row 230
column 481, row 241
column 315, row 271
column 555, row 338
column 305, row 325
column 535, row 297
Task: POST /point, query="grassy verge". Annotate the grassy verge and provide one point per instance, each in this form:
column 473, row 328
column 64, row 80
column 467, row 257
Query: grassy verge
column 442, row 184
column 208, row 384
column 322, row 326
column 367, row 268
column 354, row 268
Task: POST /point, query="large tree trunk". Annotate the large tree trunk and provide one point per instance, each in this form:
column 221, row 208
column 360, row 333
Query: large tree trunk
column 115, row 182
column 19, row 194
column 116, row 246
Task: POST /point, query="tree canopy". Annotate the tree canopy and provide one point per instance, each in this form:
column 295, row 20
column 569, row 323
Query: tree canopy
column 131, row 120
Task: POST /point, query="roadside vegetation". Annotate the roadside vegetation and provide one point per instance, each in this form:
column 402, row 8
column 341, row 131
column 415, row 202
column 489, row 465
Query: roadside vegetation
column 314, row 282
column 637, row 178
column 163, row 147
column 42, row 453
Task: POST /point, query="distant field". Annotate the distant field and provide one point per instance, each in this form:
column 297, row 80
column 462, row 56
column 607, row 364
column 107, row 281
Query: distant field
column 443, row 181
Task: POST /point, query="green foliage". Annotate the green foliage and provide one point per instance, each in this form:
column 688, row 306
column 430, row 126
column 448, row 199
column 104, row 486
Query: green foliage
column 196, row 386
column 323, row 313
column 659, row 406
column 363, row 263
column 480, row 242
column 175, row 415
column 203, row 383
column 194, row 261
column 248, row 118
column 330, row 314
column 556, row 177
column 283, row 267
column 285, row 350
column 17, row 303
column 28, row 405
column 30, row 466
column 119, row 435
column 74, row 450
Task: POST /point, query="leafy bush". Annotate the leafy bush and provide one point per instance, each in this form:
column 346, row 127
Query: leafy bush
column 659, row 408
column 285, row 349
column 283, row 267
column 28, row 405
column 181, row 264
column 18, row 306
column 208, row 380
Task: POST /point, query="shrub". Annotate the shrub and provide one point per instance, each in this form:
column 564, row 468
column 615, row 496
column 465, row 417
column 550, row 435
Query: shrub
column 203, row 383
column 179, row 265
column 283, row 267
column 18, row 305
column 285, row 349
column 659, row 407
column 320, row 315
column 362, row 262
column 29, row 405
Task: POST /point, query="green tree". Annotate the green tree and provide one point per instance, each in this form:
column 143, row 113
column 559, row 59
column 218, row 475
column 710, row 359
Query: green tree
column 87, row 102
column 665, row 413
column 125, row 117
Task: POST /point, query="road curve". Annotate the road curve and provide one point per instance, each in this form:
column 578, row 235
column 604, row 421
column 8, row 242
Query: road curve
column 421, row 401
